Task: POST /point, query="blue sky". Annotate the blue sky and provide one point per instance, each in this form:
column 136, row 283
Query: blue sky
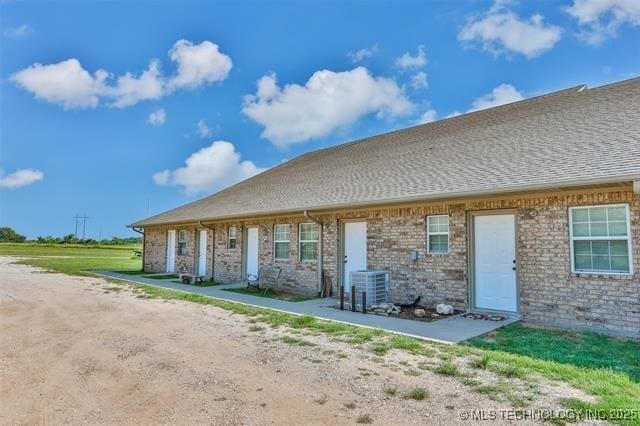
column 217, row 92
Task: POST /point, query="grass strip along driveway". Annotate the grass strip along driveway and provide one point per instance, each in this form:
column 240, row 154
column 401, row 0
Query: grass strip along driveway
column 617, row 395
column 507, row 366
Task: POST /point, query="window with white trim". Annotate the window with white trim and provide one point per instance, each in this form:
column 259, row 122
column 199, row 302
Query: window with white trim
column 281, row 240
column 233, row 239
column 308, row 237
column 182, row 242
column 600, row 239
column 438, row 234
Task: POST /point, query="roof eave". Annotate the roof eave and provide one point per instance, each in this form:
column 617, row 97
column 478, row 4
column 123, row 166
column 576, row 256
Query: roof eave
column 410, row 199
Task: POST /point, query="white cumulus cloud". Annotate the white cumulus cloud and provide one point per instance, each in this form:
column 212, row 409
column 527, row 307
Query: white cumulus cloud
column 157, row 117
column 500, row 95
column 198, row 64
column 600, row 19
column 408, row 61
column 362, row 54
column 502, row 31
column 427, row 117
column 65, row 83
column 210, row 169
column 20, row 178
column 68, row 84
column 130, row 90
column 326, row 102
column 419, row 80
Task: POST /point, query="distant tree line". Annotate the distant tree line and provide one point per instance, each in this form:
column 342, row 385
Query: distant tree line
column 8, row 235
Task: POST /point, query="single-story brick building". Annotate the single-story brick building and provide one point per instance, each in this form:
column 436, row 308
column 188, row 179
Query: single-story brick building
column 531, row 208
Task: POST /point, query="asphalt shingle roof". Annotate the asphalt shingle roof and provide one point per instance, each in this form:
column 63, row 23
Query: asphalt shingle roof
column 572, row 137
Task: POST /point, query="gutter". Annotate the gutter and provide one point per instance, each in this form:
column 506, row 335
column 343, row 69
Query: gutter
column 319, row 223
column 213, row 247
column 144, row 243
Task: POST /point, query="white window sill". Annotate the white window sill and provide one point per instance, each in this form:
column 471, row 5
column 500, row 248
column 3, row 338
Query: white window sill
column 601, row 273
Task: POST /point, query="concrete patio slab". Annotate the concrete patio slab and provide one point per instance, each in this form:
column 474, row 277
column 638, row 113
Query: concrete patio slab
column 449, row 330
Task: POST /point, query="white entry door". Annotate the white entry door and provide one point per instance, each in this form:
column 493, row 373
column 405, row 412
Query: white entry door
column 171, row 251
column 495, row 262
column 252, row 251
column 355, row 250
column 202, row 255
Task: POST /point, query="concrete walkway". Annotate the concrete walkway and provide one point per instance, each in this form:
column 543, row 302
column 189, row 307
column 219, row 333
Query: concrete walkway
column 449, row 330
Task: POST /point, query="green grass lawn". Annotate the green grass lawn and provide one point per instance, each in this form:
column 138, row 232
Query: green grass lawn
column 139, row 272
column 591, row 350
column 270, row 294
column 161, row 276
column 75, row 259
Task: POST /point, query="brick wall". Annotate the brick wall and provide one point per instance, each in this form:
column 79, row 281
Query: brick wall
column 549, row 292
column 187, row 261
column 155, row 249
column 228, row 261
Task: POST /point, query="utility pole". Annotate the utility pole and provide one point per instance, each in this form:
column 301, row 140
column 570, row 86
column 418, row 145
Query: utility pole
column 84, row 224
column 76, row 217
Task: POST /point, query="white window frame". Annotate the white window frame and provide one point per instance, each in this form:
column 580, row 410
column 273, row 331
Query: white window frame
column 626, row 238
column 275, row 241
column 234, row 238
column 429, row 234
column 300, row 241
column 181, row 249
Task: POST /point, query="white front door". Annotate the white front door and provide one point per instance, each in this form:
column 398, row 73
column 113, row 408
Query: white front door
column 355, row 250
column 171, row 251
column 202, row 255
column 252, row 251
column 495, row 262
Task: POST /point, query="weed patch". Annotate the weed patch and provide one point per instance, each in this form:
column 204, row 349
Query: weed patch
column 364, row 419
column 418, row 394
column 391, row 391
column 447, row 369
column 296, row 342
column 482, row 362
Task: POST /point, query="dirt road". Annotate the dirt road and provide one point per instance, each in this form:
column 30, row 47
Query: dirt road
column 83, row 350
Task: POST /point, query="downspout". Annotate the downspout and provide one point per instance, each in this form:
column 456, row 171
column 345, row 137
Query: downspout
column 319, row 222
column 144, row 244
column 213, row 248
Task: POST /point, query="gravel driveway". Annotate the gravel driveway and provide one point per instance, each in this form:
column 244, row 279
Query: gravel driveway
column 83, row 350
